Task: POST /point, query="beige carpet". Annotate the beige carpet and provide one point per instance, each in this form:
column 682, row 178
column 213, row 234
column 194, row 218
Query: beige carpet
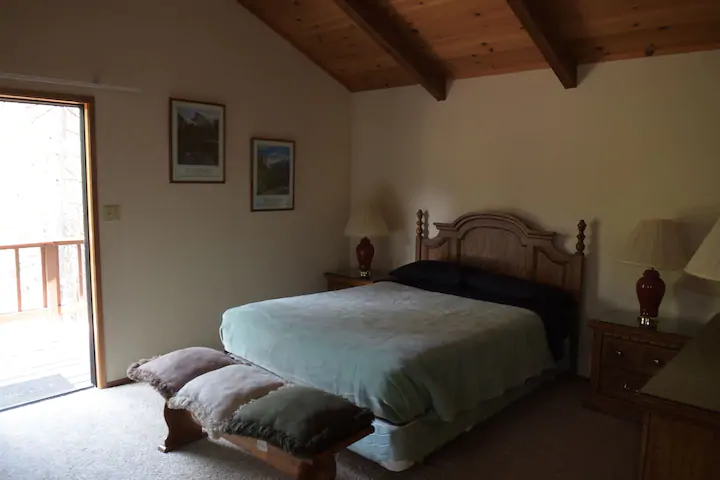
column 112, row 434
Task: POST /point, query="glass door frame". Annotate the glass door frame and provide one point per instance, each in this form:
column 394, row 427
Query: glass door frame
column 91, row 221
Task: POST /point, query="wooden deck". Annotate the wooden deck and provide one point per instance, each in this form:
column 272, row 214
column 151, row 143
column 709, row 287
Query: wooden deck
column 38, row 348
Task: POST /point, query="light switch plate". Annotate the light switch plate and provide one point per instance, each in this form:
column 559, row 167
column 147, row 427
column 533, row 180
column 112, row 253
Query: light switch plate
column 111, row 213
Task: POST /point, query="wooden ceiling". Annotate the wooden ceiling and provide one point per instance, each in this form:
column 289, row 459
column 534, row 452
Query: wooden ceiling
column 372, row 44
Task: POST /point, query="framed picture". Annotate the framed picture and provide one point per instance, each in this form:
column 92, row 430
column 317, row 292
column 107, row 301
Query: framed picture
column 272, row 175
column 197, row 142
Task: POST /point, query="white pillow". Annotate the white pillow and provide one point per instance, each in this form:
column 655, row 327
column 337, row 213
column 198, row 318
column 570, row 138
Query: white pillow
column 214, row 397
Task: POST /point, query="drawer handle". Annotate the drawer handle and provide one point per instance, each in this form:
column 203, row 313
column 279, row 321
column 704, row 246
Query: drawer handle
column 619, row 353
column 657, row 362
column 627, row 388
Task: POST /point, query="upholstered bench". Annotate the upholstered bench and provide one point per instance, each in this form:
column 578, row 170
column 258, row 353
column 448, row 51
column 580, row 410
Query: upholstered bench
column 296, row 429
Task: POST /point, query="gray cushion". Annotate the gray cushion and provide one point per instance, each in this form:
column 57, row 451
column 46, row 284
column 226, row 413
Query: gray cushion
column 169, row 373
column 214, row 397
column 302, row 421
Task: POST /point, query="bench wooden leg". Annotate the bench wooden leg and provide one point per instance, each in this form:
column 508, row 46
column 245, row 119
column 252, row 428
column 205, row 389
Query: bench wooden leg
column 320, row 467
column 182, row 430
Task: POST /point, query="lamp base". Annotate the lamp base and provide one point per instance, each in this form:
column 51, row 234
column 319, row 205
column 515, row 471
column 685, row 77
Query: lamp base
column 365, row 253
column 650, row 290
column 650, row 323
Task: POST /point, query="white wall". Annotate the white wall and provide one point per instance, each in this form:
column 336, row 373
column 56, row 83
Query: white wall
column 637, row 139
column 182, row 254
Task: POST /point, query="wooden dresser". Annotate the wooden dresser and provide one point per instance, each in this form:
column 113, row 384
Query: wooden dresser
column 624, row 358
column 681, row 434
column 341, row 279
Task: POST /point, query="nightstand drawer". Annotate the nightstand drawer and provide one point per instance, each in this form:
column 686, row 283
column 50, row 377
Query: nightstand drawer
column 349, row 279
column 622, row 384
column 621, row 353
column 654, row 358
column 338, row 283
column 625, row 357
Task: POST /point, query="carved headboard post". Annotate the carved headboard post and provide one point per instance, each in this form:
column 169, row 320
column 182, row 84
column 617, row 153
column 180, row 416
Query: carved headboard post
column 419, row 235
column 580, row 247
column 577, row 264
column 579, row 273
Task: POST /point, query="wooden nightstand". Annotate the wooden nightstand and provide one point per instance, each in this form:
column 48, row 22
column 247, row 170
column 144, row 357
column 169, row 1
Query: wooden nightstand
column 351, row 278
column 624, row 358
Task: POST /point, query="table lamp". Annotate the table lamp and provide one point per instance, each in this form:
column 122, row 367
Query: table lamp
column 706, row 261
column 654, row 244
column 365, row 222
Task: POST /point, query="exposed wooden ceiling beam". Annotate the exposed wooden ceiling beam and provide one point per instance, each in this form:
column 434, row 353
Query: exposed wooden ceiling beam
column 405, row 49
column 559, row 58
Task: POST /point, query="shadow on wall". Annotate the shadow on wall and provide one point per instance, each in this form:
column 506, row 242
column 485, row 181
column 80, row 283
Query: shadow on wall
column 387, row 201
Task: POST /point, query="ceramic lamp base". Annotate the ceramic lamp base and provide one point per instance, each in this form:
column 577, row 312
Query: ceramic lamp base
column 365, row 253
column 650, row 290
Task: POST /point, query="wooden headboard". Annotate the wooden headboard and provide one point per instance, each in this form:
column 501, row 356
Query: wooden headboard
column 506, row 244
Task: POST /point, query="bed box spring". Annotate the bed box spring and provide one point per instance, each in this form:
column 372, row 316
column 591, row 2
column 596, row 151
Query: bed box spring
column 398, row 448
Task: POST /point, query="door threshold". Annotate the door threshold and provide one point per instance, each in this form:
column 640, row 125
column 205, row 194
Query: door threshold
column 32, row 402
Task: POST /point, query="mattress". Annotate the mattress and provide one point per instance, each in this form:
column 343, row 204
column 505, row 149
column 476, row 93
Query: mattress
column 403, row 352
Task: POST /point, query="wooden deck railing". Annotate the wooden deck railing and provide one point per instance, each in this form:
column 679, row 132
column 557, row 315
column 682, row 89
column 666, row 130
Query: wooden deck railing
column 50, row 264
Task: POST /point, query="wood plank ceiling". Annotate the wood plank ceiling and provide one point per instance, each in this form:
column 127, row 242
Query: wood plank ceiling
column 373, row 44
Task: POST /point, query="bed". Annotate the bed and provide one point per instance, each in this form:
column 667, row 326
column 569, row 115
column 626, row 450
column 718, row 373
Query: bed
column 429, row 364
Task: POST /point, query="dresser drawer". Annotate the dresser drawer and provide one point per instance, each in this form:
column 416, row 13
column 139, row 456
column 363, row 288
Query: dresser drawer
column 654, row 358
column 621, row 353
column 622, row 384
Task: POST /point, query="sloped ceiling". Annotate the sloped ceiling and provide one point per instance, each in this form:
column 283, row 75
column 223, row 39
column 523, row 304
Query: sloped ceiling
column 372, row 44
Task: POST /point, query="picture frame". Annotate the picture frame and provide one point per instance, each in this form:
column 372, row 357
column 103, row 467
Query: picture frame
column 272, row 175
column 197, row 142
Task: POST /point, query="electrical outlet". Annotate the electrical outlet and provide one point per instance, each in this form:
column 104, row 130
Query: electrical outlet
column 111, row 213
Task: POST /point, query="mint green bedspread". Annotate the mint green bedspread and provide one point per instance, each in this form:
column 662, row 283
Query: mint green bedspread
column 397, row 350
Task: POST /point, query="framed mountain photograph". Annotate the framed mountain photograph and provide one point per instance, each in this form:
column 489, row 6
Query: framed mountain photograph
column 272, row 175
column 197, row 142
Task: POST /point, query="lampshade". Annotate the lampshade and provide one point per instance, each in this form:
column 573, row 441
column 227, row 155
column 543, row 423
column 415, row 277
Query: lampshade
column 706, row 261
column 655, row 244
column 366, row 222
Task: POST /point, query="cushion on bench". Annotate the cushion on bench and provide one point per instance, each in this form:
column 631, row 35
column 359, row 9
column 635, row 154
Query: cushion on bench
column 170, row 372
column 302, row 421
column 214, row 397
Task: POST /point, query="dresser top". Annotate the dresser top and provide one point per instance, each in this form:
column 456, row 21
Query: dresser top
column 628, row 319
column 354, row 274
column 633, row 332
column 692, row 376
